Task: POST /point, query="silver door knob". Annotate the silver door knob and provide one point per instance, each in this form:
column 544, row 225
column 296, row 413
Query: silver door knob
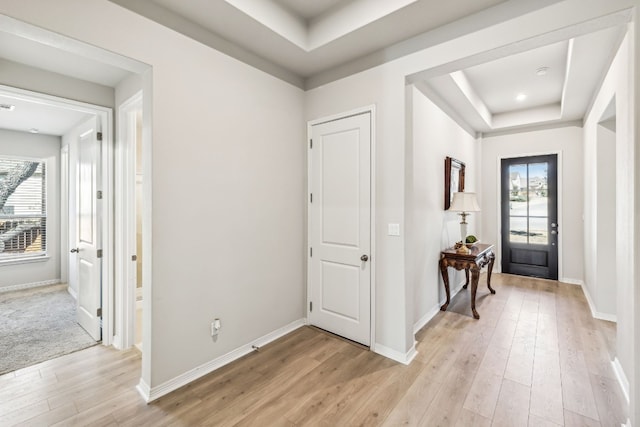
column 75, row 250
column 364, row 258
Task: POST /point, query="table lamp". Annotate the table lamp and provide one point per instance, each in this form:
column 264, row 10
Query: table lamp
column 464, row 203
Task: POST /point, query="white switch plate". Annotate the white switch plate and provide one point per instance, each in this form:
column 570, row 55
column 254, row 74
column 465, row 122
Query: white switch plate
column 394, row 230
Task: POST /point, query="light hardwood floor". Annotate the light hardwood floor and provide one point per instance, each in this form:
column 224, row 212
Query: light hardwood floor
column 535, row 358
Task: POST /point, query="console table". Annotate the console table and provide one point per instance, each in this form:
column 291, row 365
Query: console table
column 479, row 256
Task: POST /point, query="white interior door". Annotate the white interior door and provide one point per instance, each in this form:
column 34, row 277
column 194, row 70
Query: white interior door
column 89, row 262
column 340, row 227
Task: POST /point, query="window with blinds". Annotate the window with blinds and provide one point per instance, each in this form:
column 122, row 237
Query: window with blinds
column 23, row 209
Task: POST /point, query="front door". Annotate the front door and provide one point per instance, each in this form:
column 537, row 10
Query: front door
column 340, row 227
column 530, row 216
column 89, row 262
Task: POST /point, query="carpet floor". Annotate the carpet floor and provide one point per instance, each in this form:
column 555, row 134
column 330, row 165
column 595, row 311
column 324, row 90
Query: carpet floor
column 38, row 325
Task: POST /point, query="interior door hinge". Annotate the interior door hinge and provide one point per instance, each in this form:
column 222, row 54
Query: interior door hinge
column 99, row 136
column 310, row 305
column 99, row 254
column 99, row 195
column 311, row 143
column 134, row 257
column 310, row 197
column 99, row 312
column 310, row 252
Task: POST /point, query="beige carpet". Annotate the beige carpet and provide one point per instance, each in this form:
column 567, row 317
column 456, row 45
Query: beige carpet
column 37, row 325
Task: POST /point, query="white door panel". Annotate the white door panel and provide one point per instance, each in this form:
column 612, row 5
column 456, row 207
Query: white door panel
column 88, row 223
column 340, row 227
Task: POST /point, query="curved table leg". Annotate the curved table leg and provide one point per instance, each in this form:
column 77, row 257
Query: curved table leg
column 445, row 279
column 475, row 275
column 492, row 258
column 466, row 275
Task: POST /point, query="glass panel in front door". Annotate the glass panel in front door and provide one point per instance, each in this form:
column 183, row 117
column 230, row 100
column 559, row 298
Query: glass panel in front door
column 529, row 203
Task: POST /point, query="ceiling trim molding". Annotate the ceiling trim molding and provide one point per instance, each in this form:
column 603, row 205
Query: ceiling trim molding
column 475, row 22
column 321, row 30
column 164, row 17
column 67, row 44
column 532, row 128
column 599, row 23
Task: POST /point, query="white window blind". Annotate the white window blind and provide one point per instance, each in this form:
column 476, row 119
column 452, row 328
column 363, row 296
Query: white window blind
column 23, row 209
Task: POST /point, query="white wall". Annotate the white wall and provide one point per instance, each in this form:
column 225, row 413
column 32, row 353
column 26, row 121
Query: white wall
column 567, row 143
column 618, row 84
column 227, row 177
column 429, row 228
column 604, row 211
column 24, row 144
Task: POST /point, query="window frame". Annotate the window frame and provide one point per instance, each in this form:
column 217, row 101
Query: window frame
column 25, row 257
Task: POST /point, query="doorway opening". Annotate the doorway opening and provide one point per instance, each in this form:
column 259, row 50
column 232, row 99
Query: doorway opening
column 48, row 264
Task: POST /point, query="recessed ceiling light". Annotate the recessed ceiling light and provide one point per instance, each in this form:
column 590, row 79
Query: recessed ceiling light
column 7, row 107
column 34, row 130
column 521, row 97
column 542, row 71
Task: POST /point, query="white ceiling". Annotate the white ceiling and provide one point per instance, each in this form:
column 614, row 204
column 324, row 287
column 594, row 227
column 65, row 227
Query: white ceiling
column 309, row 9
column 42, row 117
column 483, row 98
column 311, row 42
column 301, row 39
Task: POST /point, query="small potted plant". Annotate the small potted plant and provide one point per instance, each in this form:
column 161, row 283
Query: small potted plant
column 471, row 240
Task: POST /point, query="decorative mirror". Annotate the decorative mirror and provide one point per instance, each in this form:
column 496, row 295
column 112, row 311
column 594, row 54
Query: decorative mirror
column 453, row 179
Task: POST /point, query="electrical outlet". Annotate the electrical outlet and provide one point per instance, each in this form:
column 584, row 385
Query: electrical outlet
column 215, row 327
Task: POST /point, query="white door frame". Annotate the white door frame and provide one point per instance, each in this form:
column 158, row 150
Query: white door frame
column 559, row 196
column 371, row 109
column 105, row 124
column 125, row 222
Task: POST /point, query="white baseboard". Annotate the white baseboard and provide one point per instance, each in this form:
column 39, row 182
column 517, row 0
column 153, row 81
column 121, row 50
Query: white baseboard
column 425, row 319
column 434, row 310
column 389, row 353
column 153, row 393
column 571, row 281
column 596, row 314
column 29, row 285
column 73, row 293
column 621, row 377
column 144, row 390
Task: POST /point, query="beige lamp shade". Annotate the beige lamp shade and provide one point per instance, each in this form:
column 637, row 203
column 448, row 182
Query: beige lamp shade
column 464, row 202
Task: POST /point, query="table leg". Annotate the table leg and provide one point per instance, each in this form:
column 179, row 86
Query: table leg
column 475, row 275
column 445, row 279
column 466, row 275
column 492, row 258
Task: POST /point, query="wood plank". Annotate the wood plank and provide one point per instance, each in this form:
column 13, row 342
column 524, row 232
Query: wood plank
column 512, row 409
column 571, row 419
column 609, row 400
column 546, row 388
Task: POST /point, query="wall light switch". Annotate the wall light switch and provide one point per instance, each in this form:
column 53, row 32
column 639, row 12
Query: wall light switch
column 394, row 230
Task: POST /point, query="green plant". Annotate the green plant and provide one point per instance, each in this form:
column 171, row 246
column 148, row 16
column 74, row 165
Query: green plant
column 471, row 239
